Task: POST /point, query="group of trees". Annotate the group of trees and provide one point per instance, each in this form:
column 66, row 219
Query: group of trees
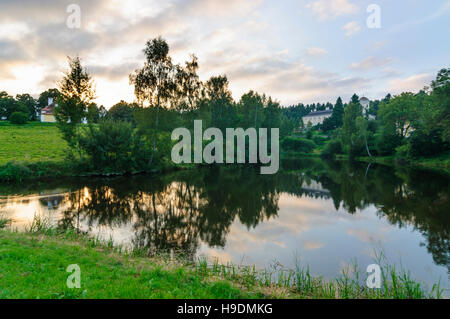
column 172, row 95
column 26, row 108
column 168, row 96
column 21, row 108
column 408, row 125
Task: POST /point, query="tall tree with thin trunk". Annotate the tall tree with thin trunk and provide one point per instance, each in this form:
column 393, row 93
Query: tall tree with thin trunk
column 188, row 85
column 154, row 83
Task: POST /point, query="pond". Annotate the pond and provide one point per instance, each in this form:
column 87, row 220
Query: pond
column 323, row 214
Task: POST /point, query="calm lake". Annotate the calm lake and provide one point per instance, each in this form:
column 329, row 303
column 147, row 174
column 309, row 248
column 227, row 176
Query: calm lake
column 325, row 214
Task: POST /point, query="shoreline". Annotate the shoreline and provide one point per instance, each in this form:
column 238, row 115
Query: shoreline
column 439, row 164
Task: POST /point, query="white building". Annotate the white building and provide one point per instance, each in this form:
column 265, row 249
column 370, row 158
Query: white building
column 316, row 117
column 365, row 102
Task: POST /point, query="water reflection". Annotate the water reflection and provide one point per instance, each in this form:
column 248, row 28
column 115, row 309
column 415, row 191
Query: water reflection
column 210, row 210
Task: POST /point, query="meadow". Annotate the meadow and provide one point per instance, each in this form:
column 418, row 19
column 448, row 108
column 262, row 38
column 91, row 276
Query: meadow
column 31, row 143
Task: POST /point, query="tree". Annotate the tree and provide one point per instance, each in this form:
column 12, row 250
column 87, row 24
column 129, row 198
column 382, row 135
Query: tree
column 155, row 82
column 122, row 111
column 220, row 103
column 30, row 103
column 250, row 109
column 349, row 132
column 76, row 93
column 335, row 121
column 441, row 96
column 7, row 105
column 188, row 85
column 401, row 110
column 93, row 113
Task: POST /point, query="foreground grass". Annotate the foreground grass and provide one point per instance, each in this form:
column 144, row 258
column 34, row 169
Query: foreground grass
column 33, row 265
column 31, row 143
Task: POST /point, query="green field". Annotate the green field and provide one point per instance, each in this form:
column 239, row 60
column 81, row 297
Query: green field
column 31, row 143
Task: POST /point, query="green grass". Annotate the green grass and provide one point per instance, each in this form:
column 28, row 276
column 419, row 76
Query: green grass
column 31, row 143
column 33, row 265
column 439, row 162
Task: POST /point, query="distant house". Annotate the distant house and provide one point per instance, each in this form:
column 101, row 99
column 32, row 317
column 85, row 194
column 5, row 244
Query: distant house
column 47, row 113
column 316, row 117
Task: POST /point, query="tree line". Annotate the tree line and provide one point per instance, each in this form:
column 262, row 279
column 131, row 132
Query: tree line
column 137, row 136
column 407, row 126
column 172, row 95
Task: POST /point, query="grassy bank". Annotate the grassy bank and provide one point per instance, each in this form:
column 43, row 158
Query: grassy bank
column 33, row 150
column 37, row 150
column 439, row 163
column 33, row 265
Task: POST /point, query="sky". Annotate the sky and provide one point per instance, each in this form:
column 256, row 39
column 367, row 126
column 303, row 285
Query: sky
column 293, row 50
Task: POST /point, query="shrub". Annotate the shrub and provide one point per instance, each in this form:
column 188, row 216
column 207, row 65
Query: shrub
column 114, row 147
column 14, row 172
column 403, row 152
column 427, row 143
column 319, row 140
column 18, row 118
column 295, row 144
column 331, row 149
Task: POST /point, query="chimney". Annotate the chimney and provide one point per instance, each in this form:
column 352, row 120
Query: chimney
column 50, row 101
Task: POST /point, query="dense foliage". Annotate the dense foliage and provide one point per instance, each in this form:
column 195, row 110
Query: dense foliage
column 19, row 118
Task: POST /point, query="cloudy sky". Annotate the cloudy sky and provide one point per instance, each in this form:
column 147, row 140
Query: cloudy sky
column 294, row 50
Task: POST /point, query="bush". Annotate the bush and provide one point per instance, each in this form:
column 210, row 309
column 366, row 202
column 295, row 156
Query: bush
column 14, row 172
column 18, row 118
column 319, row 140
column 427, row 143
column 114, row 147
column 403, row 152
column 295, row 144
column 331, row 149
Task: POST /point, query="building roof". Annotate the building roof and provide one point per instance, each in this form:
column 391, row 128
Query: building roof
column 48, row 110
column 319, row 113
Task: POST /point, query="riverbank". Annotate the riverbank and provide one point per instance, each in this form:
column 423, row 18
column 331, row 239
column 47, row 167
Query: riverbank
column 439, row 163
column 37, row 151
column 42, row 254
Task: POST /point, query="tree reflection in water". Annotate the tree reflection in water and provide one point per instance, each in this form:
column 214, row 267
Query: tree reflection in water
column 180, row 210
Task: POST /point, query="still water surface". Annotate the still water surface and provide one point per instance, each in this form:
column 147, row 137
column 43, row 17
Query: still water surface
column 325, row 214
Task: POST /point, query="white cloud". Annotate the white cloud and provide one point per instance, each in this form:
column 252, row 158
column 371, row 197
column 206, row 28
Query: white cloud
column 316, row 51
column 370, row 63
column 412, row 83
column 325, row 9
column 351, row 28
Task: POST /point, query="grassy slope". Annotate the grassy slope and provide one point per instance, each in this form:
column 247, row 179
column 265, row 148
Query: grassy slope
column 34, row 266
column 31, row 143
